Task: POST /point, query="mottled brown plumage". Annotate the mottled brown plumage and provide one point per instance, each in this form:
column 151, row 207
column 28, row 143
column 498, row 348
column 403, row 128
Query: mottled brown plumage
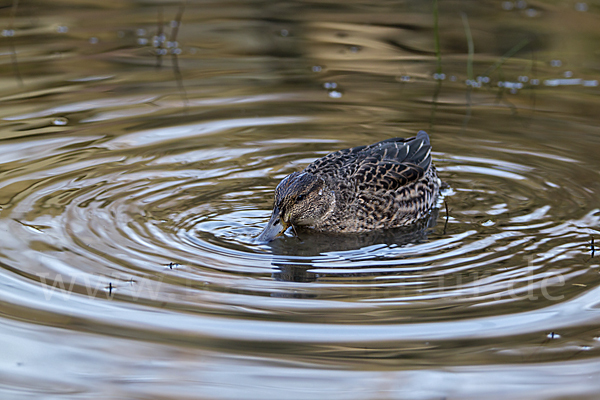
column 385, row 185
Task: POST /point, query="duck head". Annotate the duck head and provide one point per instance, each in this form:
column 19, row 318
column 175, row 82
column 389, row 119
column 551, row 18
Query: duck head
column 301, row 199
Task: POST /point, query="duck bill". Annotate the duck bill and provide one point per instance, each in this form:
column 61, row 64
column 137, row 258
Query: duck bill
column 274, row 228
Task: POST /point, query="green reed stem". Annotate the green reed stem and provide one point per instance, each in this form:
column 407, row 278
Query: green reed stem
column 436, row 33
column 506, row 56
column 470, row 44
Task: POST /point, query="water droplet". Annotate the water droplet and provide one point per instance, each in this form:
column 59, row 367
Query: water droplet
column 334, row 94
column 141, row 32
column 62, row 29
column 142, row 41
column 568, row 74
column 8, row 32
column 60, row 121
column 284, row 32
column 316, row 68
column 453, row 78
column 354, row 49
column 330, row 85
column 555, row 63
column 439, row 77
column 535, row 82
column 531, row 12
column 93, row 40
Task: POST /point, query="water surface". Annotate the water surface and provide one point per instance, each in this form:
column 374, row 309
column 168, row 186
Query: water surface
column 140, row 144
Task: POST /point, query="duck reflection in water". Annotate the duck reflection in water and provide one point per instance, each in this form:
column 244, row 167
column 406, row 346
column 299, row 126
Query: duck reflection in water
column 296, row 256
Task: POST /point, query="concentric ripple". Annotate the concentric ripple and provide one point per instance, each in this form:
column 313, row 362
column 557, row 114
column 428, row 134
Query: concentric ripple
column 174, row 226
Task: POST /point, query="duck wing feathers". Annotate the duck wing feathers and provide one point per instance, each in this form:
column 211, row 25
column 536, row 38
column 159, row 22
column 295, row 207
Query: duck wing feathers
column 383, row 166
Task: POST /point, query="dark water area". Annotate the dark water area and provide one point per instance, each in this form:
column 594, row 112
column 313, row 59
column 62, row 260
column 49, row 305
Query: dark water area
column 140, row 144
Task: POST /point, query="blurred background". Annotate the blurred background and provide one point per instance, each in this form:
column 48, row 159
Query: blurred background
column 140, row 144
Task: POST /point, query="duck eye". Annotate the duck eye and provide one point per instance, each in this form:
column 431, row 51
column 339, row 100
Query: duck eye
column 300, row 197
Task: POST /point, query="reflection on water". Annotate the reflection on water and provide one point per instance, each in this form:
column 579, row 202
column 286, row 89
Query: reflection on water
column 139, row 149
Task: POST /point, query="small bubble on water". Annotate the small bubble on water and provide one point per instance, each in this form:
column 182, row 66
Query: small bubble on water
column 330, row 85
column 354, row 49
column 592, row 83
column 60, row 121
column 176, row 51
column 140, row 32
column 62, row 29
column 405, row 78
column 521, row 4
column 439, row 77
column 174, row 24
column 507, row 5
column 583, row 7
column 555, row 63
column 531, row 12
column 284, row 32
column 568, row 74
column 316, row 68
column 93, row 40
column 453, row 78
column 523, row 78
column 8, row 32
column 553, row 335
column 334, row 94
column 535, row 82
column 142, row 41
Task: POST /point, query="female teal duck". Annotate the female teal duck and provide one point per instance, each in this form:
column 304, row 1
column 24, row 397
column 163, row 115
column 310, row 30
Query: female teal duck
column 385, row 185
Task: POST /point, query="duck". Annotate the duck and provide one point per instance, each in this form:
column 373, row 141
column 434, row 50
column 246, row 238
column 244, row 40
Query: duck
column 384, row 185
